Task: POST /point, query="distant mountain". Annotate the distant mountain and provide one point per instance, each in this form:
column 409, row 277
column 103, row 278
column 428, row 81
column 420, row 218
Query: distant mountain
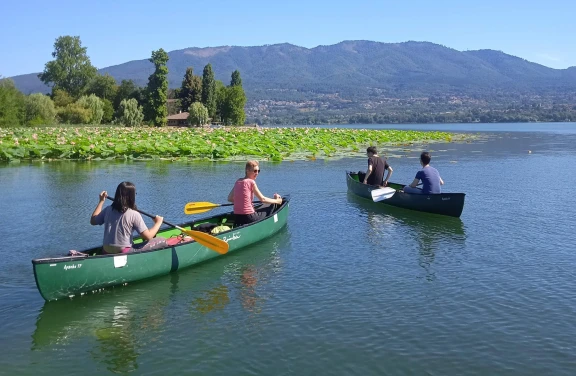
column 351, row 68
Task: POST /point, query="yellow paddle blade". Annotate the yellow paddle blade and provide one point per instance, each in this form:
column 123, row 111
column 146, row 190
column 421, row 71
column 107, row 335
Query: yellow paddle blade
column 207, row 240
column 199, row 207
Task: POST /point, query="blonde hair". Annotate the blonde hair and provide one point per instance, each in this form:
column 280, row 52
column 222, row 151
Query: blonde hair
column 250, row 165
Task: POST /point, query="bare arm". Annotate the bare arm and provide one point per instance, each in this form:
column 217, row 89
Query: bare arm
column 414, row 183
column 390, row 171
column 231, row 195
column 368, row 172
column 276, row 200
column 441, row 181
column 98, row 208
column 151, row 232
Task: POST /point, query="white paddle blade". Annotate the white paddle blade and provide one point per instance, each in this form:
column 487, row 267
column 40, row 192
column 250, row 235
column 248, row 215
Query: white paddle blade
column 382, row 194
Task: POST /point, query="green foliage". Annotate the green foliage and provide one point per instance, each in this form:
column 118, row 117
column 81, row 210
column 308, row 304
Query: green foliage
column 155, row 110
column 233, row 106
column 40, row 110
column 236, row 80
column 209, row 90
column 220, row 100
column 74, row 113
column 71, row 69
column 127, row 90
column 93, row 104
column 131, row 114
column 61, row 98
column 198, row 114
column 108, row 115
column 191, row 90
column 103, row 87
column 236, row 143
column 11, row 104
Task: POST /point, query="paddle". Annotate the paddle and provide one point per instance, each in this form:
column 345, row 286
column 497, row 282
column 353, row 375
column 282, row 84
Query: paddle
column 202, row 238
column 382, row 194
column 201, row 207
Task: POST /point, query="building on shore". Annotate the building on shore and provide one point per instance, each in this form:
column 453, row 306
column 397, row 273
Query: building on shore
column 179, row 120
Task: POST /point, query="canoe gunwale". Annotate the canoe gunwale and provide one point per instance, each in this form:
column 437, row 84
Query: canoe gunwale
column 60, row 259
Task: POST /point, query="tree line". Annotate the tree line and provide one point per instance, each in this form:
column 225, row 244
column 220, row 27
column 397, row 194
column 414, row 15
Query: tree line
column 80, row 95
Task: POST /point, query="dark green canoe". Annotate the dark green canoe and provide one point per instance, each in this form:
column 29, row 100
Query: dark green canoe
column 450, row 204
column 63, row 277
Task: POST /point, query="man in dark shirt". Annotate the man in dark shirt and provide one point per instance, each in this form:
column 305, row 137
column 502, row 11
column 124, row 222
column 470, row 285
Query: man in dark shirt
column 376, row 168
column 431, row 180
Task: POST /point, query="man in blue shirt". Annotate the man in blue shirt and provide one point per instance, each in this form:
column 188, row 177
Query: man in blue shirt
column 431, row 180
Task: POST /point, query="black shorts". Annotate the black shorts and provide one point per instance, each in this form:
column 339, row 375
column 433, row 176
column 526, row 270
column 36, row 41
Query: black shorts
column 244, row 219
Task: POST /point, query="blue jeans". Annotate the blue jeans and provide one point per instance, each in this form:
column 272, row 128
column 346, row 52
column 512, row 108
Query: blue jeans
column 409, row 189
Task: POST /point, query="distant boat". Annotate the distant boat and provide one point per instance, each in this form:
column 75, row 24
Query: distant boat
column 450, row 204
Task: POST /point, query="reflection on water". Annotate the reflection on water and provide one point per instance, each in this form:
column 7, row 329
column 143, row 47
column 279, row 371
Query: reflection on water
column 116, row 324
column 431, row 232
column 116, row 344
column 213, row 299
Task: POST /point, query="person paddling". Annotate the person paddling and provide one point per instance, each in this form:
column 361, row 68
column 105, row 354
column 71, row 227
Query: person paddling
column 430, row 177
column 243, row 193
column 376, row 167
column 120, row 220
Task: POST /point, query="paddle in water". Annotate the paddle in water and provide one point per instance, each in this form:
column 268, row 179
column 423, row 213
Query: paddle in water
column 203, row 206
column 203, row 238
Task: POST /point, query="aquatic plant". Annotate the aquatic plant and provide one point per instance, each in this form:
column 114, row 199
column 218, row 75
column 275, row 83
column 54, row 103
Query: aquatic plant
column 276, row 144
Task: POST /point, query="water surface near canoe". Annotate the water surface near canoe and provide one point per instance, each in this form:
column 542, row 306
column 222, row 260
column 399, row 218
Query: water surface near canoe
column 346, row 288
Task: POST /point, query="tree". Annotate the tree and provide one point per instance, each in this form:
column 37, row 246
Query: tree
column 61, row 98
column 71, row 70
column 236, row 80
column 126, row 90
column 40, row 110
column 233, row 106
column 11, row 104
column 103, row 87
column 130, row 113
column 93, row 104
column 209, row 90
column 198, row 114
column 220, row 100
column 74, row 113
column 191, row 90
column 157, row 89
column 108, row 115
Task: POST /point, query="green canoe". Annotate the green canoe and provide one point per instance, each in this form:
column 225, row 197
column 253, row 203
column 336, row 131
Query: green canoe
column 63, row 277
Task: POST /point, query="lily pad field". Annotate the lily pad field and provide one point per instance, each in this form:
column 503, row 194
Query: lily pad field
column 274, row 144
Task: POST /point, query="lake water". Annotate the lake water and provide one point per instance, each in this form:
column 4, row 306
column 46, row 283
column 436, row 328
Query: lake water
column 345, row 288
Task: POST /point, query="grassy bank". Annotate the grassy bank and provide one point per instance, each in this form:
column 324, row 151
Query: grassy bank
column 276, row 144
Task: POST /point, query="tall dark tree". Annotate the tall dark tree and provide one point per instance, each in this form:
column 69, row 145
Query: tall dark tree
column 191, row 90
column 209, row 90
column 233, row 106
column 236, row 80
column 71, row 69
column 157, row 90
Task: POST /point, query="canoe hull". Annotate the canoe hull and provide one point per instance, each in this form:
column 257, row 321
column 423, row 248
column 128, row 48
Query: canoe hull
column 450, row 204
column 62, row 277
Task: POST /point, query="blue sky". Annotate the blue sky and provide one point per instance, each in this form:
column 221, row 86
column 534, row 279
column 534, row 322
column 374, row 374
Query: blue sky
column 124, row 30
